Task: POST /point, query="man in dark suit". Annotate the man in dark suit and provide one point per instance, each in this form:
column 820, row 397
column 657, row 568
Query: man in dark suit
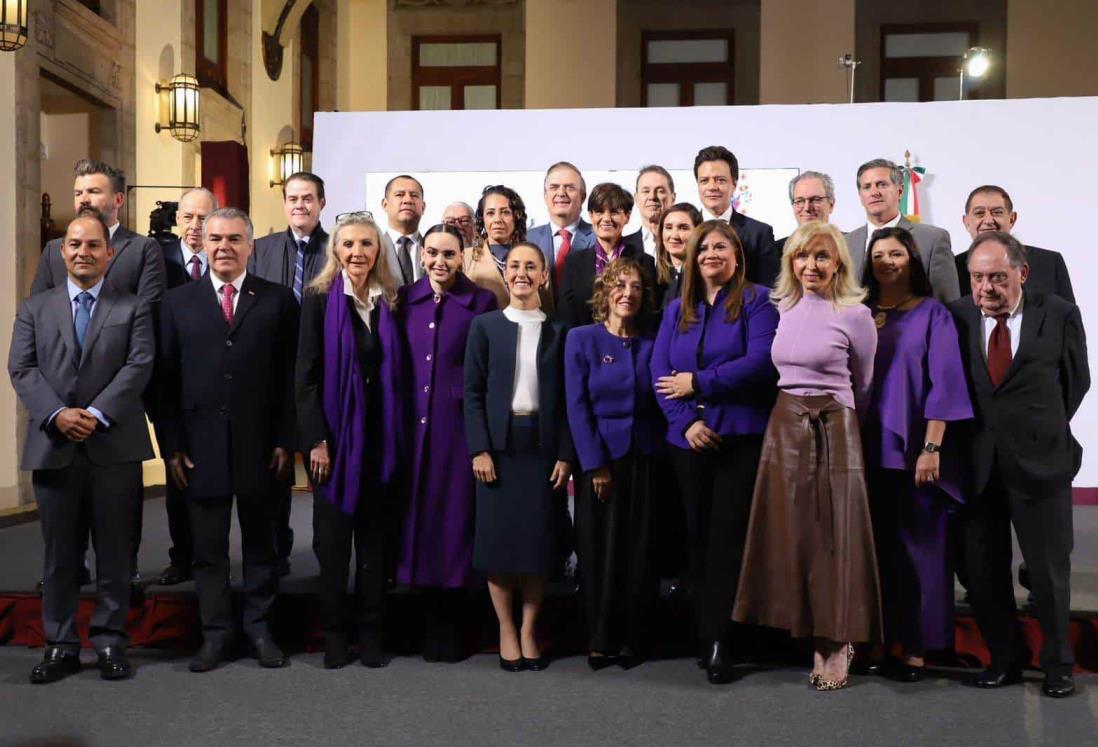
column 81, row 355
column 227, row 347
column 184, row 262
column 880, row 186
column 292, row 258
column 812, row 197
column 1026, row 362
column 989, row 208
column 717, row 172
column 401, row 240
column 655, row 192
column 564, row 192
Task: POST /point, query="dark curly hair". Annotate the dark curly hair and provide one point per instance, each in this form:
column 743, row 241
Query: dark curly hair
column 608, row 280
column 518, row 207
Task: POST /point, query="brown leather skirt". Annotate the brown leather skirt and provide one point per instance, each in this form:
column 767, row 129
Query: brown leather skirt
column 809, row 564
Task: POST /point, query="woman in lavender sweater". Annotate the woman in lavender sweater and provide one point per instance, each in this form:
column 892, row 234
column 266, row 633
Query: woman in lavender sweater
column 809, row 565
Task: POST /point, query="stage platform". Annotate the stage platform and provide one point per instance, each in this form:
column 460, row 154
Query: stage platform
column 167, row 617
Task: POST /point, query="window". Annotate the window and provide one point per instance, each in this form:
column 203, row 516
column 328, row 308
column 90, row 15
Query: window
column 211, row 34
column 92, row 5
column 455, row 72
column 922, row 62
column 310, row 77
column 686, row 68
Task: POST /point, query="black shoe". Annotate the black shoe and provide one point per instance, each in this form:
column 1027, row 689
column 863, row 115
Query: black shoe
column 283, row 568
column 268, row 654
column 1058, row 686
column 993, row 677
column 629, row 661
column 536, row 665
column 372, row 654
column 899, row 671
column 114, row 664
column 175, row 574
column 56, row 665
column 208, row 657
column 717, row 669
column 335, row 650
column 512, row 665
column 599, row 663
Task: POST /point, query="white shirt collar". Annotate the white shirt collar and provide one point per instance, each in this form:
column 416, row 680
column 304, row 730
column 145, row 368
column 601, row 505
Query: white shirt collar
column 1013, row 312
column 113, row 230
column 217, row 282
column 725, row 216
column 362, row 308
column 299, row 237
column 395, row 236
column 571, row 227
column 189, row 254
column 75, row 290
column 870, row 227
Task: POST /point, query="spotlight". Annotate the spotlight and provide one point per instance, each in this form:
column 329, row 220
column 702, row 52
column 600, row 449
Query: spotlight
column 974, row 65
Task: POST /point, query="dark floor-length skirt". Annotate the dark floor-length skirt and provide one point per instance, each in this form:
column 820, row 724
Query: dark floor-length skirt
column 614, row 546
column 515, row 526
column 809, row 563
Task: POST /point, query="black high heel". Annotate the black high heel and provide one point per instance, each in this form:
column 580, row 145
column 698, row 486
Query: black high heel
column 512, row 665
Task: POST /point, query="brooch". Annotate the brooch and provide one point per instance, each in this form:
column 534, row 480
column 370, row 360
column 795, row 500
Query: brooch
column 607, row 359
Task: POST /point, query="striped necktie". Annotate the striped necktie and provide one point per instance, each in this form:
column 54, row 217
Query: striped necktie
column 299, row 269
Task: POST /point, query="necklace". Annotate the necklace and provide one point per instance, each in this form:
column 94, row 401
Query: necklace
column 881, row 317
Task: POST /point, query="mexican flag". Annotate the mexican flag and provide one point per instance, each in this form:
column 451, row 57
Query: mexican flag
column 909, row 202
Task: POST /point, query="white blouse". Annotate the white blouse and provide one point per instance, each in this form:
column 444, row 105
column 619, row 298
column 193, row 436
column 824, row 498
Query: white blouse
column 524, row 396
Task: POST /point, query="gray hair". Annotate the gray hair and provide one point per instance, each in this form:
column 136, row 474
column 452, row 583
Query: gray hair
column 229, row 213
column 828, row 182
column 565, row 165
column 895, row 173
column 464, row 205
column 88, row 166
column 1016, row 252
column 202, row 190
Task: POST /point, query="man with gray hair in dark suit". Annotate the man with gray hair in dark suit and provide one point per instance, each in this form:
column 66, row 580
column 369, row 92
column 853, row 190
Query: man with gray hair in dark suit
column 81, row 355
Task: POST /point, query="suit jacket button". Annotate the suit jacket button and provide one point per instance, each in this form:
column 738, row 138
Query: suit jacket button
column 224, row 411
column 228, row 343
column 228, row 377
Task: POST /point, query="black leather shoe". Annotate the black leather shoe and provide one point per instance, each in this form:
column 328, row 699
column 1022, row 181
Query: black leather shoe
column 536, row 665
column 995, row 677
column 512, row 665
column 717, row 668
column 208, row 657
column 268, row 654
column 175, row 574
column 1058, row 686
column 372, row 653
column 899, row 671
column 335, row 650
column 56, row 665
column 629, row 661
column 599, row 663
column 114, row 664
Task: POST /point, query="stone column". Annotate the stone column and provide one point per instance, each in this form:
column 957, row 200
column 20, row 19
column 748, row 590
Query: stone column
column 800, row 44
column 1050, row 49
column 571, row 53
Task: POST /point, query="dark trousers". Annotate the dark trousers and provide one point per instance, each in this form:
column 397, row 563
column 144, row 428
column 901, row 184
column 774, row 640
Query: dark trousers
column 284, row 535
column 181, row 553
column 106, row 495
column 334, row 534
column 211, row 519
column 716, row 487
column 613, row 542
column 1044, row 528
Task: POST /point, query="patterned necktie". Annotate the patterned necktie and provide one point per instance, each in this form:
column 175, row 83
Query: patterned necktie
column 404, row 257
column 81, row 318
column 227, row 293
column 196, row 268
column 299, row 269
column 998, row 351
column 562, row 252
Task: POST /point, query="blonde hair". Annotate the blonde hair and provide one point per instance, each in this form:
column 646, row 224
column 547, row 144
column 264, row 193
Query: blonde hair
column 844, row 289
column 379, row 276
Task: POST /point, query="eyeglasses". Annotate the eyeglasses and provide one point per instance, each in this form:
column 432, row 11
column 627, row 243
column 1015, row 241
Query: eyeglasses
column 366, row 214
column 800, row 202
column 458, row 221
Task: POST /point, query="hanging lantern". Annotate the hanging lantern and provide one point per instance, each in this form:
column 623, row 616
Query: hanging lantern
column 13, row 24
column 180, row 97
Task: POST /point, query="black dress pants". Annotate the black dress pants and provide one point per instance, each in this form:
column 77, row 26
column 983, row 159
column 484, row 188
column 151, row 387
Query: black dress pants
column 284, row 534
column 334, row 535
column 211, row 519
column 716, row 487
column 1044, row 527
column 105, row 495
column 181, row 553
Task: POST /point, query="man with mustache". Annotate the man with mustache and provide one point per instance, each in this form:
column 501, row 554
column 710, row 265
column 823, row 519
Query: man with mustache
column 880, row 186
column 655, row 192
column 404, row 206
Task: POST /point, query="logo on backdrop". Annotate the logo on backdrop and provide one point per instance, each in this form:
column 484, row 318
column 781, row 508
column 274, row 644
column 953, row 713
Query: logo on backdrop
column 742, row 199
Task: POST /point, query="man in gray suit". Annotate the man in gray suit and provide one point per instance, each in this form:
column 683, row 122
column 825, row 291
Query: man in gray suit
column 403, row 205
column 81, row 355
column 880, row 186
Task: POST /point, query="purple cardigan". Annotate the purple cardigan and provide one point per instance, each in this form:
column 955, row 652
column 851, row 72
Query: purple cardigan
column 735, row 379
column 611, row 406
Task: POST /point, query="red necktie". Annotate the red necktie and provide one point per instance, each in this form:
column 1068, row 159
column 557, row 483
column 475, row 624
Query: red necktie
column 227, row 293
column 196, row 268
column 562, row 253
column 998, row 351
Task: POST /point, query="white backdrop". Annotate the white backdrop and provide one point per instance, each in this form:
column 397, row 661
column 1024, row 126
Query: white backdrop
column 1040, row 150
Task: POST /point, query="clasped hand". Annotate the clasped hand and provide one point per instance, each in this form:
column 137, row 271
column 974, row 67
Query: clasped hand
column 676, row 386
column 75, row 423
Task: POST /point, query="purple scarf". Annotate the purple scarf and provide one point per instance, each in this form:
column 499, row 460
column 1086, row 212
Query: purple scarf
column 344, row 402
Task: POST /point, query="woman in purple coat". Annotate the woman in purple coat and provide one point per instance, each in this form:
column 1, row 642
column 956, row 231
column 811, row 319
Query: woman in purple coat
column 429, row 325
column 712, row 371
column 918, row 387
column 618, row 430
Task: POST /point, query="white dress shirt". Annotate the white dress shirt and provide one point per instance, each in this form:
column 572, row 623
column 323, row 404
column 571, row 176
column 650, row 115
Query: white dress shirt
column 557, row 238
column 188, row 254
column 217, row 283
column 524, row 397
column 726, row 216
column 416, row 245
column 870, row 228
column 1014, row 327
column 362, row 308
column 649, row 240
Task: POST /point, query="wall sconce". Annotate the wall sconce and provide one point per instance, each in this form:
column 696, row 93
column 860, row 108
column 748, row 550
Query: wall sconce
column 13, row 24
column 179, row 107
column 974, row 65
column 289, row 159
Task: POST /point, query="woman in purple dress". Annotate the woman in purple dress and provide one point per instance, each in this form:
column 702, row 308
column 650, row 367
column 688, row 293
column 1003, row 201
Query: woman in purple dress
column 429, row 326
column 918, row 387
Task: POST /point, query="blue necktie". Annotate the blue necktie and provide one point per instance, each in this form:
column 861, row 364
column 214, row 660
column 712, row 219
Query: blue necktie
column 81, row 318
column 299, row 269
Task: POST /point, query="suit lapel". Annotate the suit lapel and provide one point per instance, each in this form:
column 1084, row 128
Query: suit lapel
column 509, row 351
column 61, row 310
column 1033, row 316
column 120, row 242
column 545, row 344
column 981, row 378
column 244, row 305
column 104, row 305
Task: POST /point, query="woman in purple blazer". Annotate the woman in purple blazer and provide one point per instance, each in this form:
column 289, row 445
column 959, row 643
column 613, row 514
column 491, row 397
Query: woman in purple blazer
column 712, row 371
column 618, row 429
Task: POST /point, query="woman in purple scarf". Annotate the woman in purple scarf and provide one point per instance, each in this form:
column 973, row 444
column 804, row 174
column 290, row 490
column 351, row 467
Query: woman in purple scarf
column 429, row 324
column 339, row 414
column 918, row 386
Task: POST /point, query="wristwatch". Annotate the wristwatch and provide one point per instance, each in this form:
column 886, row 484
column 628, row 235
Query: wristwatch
column 931, row 448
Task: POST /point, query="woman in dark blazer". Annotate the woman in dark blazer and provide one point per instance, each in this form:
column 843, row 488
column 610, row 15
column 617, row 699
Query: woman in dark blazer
column 522, row 451
column 340, row 402
column 618, row 430
column 712, row 371
column 675, row 225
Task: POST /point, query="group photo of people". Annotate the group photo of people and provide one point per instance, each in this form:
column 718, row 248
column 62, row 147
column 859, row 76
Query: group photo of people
column 819, row 434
